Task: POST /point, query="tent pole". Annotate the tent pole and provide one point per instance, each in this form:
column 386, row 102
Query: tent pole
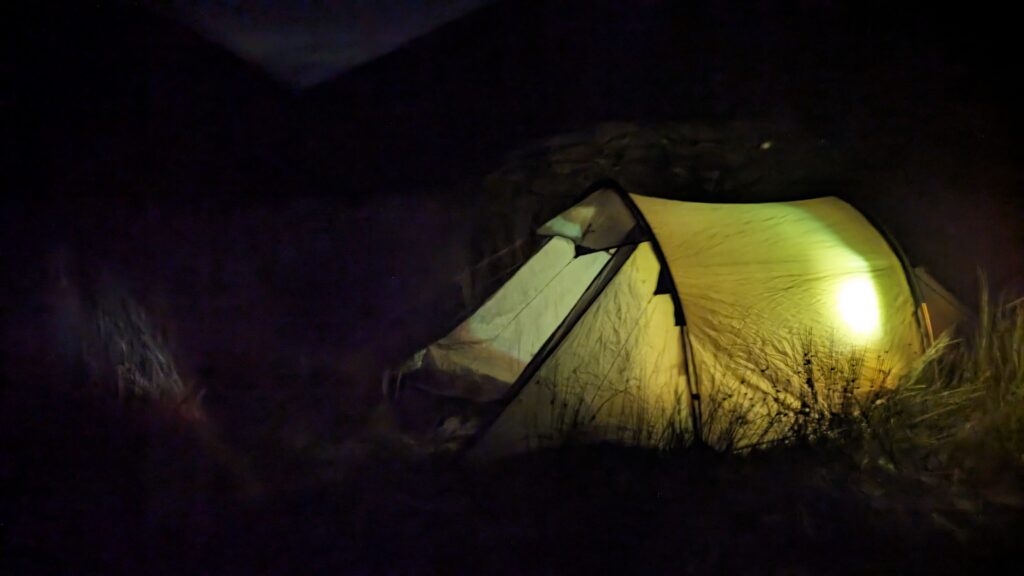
column 692, row 383
column 597, row 286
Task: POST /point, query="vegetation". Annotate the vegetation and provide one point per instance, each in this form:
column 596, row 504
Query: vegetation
column 921, row 478
column 955, row 420
column 960, row 412
column 120, row 345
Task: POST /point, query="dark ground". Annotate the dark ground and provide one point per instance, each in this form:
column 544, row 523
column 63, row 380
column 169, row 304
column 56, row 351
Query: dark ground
column 137, row 494
column 293, row 244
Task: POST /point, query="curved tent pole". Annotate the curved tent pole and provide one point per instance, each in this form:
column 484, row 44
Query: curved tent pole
column 695, row 413
column 590, row 295
column 613, row 266
column 920, row 308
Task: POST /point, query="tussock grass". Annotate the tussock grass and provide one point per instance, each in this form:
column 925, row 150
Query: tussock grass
column 960, row 410
column 121, row 344
column 958, row 413
column 613, row 414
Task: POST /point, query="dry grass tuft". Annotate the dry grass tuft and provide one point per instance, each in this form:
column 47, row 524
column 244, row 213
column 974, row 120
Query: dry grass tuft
column 960, row 411
column 121, row 344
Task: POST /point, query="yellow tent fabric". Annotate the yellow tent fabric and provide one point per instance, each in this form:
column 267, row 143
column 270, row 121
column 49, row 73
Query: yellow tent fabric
column 682, row 319
column 774, row 294
column 945, row 311
column 489, row 350
column 618, row 376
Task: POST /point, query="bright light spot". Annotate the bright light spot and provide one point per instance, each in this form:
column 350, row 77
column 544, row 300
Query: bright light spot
column 858, row 306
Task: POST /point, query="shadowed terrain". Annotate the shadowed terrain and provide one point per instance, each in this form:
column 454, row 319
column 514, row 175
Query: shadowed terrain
column 286, row 247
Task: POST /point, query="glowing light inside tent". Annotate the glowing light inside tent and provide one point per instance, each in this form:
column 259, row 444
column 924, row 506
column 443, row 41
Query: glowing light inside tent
column 858, row 306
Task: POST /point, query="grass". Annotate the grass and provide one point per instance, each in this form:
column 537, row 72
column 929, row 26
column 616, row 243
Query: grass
column 915, row 479
column 960, row 412
column 956, row 416
column 122, row 345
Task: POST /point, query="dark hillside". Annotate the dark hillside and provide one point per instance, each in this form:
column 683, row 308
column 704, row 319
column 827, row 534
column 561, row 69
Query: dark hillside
column 916, row 105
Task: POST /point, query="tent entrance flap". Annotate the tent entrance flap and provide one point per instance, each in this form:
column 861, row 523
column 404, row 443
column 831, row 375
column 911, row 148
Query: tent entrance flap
column 484, row 355
column 598, row 222
column 618, row 375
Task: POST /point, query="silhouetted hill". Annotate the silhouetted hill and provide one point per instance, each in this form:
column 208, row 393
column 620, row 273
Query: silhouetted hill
column 447, row 102
column 917, row 104
column 110, row 99
column 127, row 136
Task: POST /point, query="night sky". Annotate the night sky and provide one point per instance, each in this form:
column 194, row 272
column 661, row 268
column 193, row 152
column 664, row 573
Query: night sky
column 304, row 42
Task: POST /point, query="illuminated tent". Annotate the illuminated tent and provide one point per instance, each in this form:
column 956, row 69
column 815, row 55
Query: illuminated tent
column 643, row 320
